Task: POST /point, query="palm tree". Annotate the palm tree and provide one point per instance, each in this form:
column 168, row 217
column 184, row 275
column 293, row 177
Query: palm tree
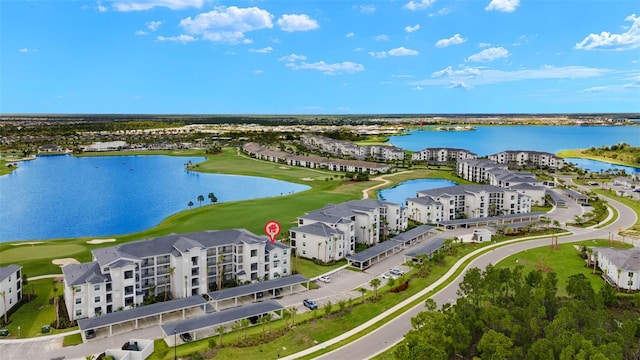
column 170, row 271
column 618, row 282
column 213, row 198
column 190, row 204
column 236, row 328
column 595, row 261
column 73, row 302
column 263, row 322
column 363, row 291
column 4, row 302
column 55, row 304
column 293, row 312
column 244, row 323
column 269, row 317
column 200, row 199
column 220, row 330
column 375, row 282
column 219, row 274
column 630, row 282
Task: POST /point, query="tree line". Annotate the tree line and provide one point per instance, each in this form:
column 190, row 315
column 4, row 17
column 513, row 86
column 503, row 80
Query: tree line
column 503, row 313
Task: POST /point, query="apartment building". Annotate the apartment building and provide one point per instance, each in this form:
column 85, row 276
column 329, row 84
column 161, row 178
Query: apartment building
column 468, row 201
column 477, row 170
column 350, row 150
column 176, row 265
column 10, row 287
column 528, row 158
column 332, row 232
column 442, row 155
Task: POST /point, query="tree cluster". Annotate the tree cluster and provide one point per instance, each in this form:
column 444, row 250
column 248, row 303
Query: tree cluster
column 506, row 314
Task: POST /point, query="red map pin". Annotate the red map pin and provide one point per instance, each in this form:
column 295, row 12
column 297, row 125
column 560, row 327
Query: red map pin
column 272, row 228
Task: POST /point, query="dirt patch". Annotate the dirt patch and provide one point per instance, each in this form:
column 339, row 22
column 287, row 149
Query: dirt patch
column 100, row 241
column 65, row 261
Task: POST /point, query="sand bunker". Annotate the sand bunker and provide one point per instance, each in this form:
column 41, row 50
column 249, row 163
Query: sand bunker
column 65, row 261
column 100, row 241
column 27, row 243
column 307, row 179
column 284, row 168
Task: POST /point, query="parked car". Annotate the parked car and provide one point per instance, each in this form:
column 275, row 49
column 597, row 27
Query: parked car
column 275, row 292
column 90, row 334
column 396, row 271
column 186, row 337
column 386, row 276
column 310, row 304
column 254, row 319
column 259, row 295
column 325, row 278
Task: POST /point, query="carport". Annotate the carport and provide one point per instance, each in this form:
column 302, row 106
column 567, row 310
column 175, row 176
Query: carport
column 417, row 234
column 467, row 223
column 428, row 247
column 519, row 218
column 207, row 324
column 152, row 314
column 368, row 257
column 576, row 196
column 231, row 296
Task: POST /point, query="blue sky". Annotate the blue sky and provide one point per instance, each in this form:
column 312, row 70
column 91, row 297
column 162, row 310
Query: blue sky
column 319, row 57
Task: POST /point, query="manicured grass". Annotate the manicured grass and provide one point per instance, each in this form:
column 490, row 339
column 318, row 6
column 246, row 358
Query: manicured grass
column 31, row 316
column 22, row 253
column 311, row 269
column 564, row 262
column 579, row 153
column 71, row 340
column 633, row 204
column 4, row 169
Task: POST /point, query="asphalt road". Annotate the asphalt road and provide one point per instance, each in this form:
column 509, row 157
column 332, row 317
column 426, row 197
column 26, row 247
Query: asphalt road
column 393, row 332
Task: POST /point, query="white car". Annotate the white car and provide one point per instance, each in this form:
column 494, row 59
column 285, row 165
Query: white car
column 388, row 276
column 325, row 278
column 396, row 271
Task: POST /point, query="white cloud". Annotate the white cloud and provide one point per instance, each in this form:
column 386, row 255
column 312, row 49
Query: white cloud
column 180, row 38
column 489, row 54
column 24, row 50
column 258, row 72
column 418, row 5
column 402, row 76
column 347, row 67
column 141, row 33
column 595, row 89
column 293, row 22
column 474, row 76
column 366, row 9
column 150, row 4
column 460, row 85
column 153, row 25
column 418, row 88
column 350, row 35
column 411, row 29
column 358, row 49
column 101, row 8
column 264, row 50
column 228, row 24
column 454, row 40
column 293, row 58
column 381, row 37
column 484, row 44
column 608, row 41
column 401, row 51
column 441, row 12
column 503, row 5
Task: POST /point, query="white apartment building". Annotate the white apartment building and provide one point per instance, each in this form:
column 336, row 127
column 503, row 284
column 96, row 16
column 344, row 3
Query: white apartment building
column 10, row 287
column 178, row 265
column 477, row 170
column 349, row 149
column 621, row 267
column 468, row 201
column 528, row 158
column 442, row 155
column 343, row 225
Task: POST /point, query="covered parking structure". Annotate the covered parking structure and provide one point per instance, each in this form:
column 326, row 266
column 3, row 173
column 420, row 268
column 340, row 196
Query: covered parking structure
column 576, row 196
column 368, row 257
column 493, row 221
column 238, row 295
column 428, row 248
column 205, row 326
column 417, row 234
column 143, row 316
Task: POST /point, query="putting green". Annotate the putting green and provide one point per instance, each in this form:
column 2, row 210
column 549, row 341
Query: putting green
column 23, row 253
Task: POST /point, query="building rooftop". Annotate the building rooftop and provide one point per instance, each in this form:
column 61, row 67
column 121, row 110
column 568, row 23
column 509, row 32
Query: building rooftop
column 6, row 271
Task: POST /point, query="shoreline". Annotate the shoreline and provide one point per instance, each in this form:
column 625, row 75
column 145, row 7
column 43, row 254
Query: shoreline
column 577, row 153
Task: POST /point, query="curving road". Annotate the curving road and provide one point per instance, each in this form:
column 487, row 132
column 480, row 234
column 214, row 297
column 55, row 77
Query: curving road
column 393, row 332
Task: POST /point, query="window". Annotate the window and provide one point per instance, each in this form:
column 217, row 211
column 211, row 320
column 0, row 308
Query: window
column 254, row 253
column 304, row 252
column 108, row 286
column 96, row 287
column 128, row 274
column 128, row 290
column 304, row 244
column 79, row 312
column 78, row 301
column 96, row 299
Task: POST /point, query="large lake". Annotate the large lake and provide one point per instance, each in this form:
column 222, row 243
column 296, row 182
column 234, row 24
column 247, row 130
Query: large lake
column 488, row 140
column 67, row 197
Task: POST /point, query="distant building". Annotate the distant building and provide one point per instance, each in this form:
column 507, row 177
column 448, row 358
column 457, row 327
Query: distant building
column 442, row 155
column 620, row 267
column 466, row 201
column 182, row 265
column 10, row 287
column 528, row 159
column 477, row 170
column 107, row 146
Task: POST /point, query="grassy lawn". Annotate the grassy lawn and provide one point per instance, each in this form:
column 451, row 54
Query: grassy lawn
column 311, row 269
column 564, row 262
column 579, row 153
column 633, row 204
column 31, row 316
column 4, row 169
